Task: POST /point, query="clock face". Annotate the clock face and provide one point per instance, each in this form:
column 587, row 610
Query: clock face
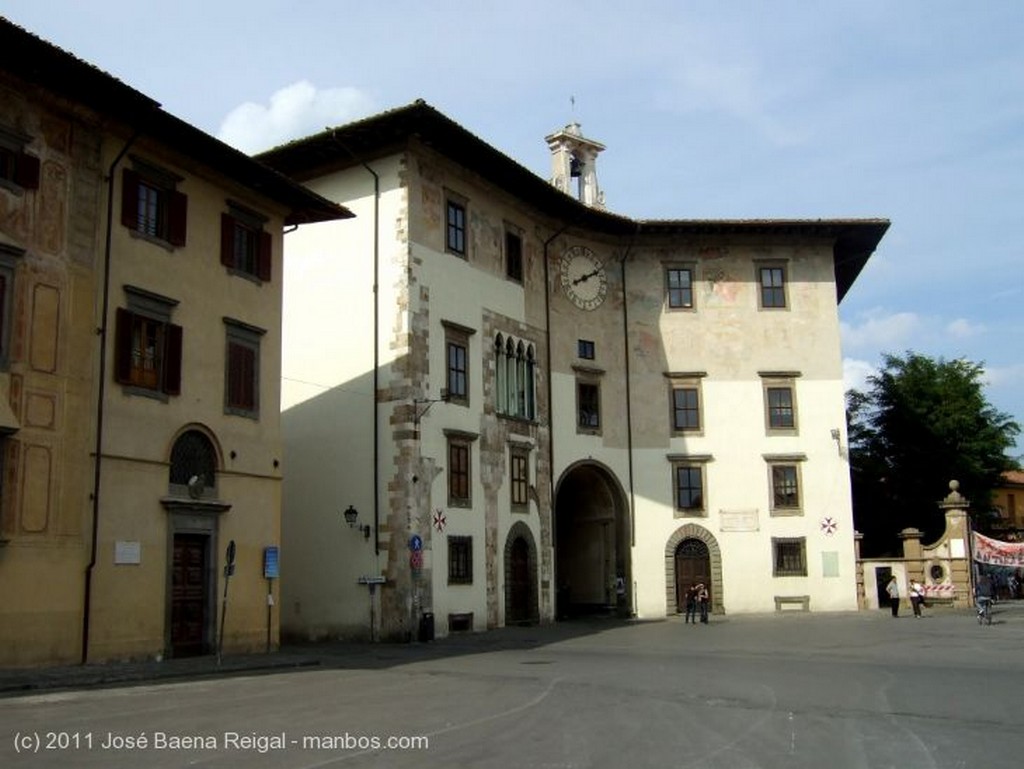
column 583, row 277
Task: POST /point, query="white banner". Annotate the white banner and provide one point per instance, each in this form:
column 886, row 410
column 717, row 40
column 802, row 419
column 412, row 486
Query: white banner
column 998, row 553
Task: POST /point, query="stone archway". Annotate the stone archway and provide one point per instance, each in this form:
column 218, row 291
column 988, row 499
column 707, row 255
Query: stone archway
column 676, row 547
column 521, row 604
column 593, row 542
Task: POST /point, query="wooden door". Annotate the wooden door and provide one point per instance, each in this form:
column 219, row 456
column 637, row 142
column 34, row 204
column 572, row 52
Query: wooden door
column 189, row 608
column 693, row 564
column 519, row 592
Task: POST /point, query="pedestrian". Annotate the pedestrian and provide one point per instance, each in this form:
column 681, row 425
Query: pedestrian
column 916, row 597
column 893, row 591
column 702, row 600
column 691, row 604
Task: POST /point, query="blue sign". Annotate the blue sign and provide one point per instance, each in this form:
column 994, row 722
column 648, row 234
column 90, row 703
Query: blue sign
column 270, row 559
column 415, row 543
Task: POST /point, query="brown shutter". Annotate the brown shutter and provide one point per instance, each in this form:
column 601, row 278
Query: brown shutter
column 123, row 346
column 227, row 240
column 172, row 360
column 26, row 172
column 176, row 217
column 130, row 199
column 263, row 263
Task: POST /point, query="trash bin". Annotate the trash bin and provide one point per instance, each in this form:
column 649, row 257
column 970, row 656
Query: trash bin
column 427, row 626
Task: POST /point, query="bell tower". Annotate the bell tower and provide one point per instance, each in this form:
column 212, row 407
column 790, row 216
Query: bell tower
column 574, row 164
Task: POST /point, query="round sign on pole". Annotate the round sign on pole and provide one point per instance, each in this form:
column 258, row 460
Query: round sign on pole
column 415, row 543
column 416, row 559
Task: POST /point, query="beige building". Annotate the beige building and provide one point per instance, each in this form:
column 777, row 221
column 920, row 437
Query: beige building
column 140, row 270
column 532, row 407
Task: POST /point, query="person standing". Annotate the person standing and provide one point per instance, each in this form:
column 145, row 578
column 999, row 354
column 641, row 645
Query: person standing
column 916, row 591
column 702, row 599
column 691, row 604
column 893, row 591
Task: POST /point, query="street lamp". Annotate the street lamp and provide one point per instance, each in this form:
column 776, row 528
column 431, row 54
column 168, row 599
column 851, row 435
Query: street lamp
column 351, row 515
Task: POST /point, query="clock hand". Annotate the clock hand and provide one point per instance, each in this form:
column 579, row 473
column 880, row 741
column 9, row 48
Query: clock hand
column 585, row 278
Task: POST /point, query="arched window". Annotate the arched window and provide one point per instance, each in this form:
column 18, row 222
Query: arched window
column 515, row 372
column 500, row 374
column 531, row 384
column 513, row 385
column 193, row 464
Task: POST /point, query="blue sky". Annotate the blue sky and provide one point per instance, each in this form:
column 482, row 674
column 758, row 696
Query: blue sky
column 912, row 111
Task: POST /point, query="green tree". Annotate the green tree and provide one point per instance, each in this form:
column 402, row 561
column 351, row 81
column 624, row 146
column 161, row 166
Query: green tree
column 921, row 423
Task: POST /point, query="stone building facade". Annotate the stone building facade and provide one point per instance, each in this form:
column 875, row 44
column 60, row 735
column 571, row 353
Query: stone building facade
column 536, row 407
column 140, row 302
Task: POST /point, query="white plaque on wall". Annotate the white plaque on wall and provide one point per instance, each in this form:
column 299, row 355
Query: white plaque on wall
column 957, row 549
column 127, row 552
column 738, row 520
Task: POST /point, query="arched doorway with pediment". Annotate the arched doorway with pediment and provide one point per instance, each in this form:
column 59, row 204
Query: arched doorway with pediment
column 692, row 555
column 593, row 572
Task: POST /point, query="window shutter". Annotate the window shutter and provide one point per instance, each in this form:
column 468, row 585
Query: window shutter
column 264, row 265
column 130, row 199
column 227, row 240
column 176, row 217
column 123, row 346
column 172, row 360
column 26, row 172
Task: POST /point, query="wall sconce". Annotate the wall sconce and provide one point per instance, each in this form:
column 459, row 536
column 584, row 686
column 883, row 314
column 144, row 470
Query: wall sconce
column 351, row 515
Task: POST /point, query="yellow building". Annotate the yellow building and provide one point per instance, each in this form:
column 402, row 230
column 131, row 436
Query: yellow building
column 1008, row 502
column 140, row 303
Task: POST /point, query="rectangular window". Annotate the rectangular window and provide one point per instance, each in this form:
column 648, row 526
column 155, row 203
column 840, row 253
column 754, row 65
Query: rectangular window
column 689, row 488
column 9, row 257
column 588, row 406
column 685, row 409
column 789, row 557
column 152, row 206
column 245, row 247
column 679, row 282
column 460, row 560
column 455, row 239
column 773, row 287
column 242, row 369
column 785, row 488
column 18, row 170
column 519, row 461
column 457, row 371
column 781, row 412
column 514, row 256
column 147, row 353
column 585, row 349
column 458, row 473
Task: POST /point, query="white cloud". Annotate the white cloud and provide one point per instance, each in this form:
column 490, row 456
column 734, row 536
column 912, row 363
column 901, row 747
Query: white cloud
column 1005, row 376
column 878, row 329
column 856, row 373
column 961, row 328
column 295, row 111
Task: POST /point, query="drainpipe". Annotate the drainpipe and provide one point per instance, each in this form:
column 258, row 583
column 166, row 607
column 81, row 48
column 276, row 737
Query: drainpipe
column 101, row 395
column 629, row 392
column 376, row 338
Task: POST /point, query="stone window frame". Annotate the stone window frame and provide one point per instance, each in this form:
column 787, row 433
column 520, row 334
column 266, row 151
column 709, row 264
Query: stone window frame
column 240, row 336
column 243, row 230
column 772, row 297
column 588, row 387
column 166, row 225
column 456, row 235
column 515, row 377
column 457, row 336
column 460, row 559
column 514, row 246
column 462, row 442
column 690, row 462
column 690, row 268
column 147, row 306
column 688, row 381
column 792, row 462
column 519, row 477
column 772, row 381
column 19, row 171
column 9, row 258
column 782, row 561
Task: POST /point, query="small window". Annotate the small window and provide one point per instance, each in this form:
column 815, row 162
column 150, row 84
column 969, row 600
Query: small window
column 781, row 411
column 242, row 369
column 689, row 488
column 588, row 406
column 9, row 257
column 514, row 256
column 585, row 349
column 193, row 464
column 519, row 461
column 18, row 170
column 789, row 557
column 455, row 239
column 459, row 472
column 685, row 409
column 456, row 351
column 151, row 205
column 460, row 560
column 773, row 287
column 147, row 346
column 245, row 247
column 785, row 482
column 679, row 284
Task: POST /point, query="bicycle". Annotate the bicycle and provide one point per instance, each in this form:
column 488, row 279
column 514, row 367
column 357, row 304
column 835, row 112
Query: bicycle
column 984, row 610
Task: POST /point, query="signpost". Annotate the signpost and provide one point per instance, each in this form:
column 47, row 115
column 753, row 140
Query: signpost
column 270, row 573
column 229, row 569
